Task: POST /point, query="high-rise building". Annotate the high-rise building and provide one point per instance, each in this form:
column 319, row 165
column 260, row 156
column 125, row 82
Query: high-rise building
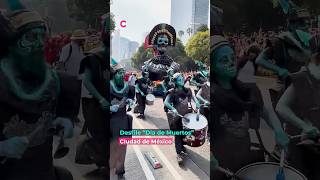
column 115, row 47
column 200, row 14
column 188, row 15
column 181, row 15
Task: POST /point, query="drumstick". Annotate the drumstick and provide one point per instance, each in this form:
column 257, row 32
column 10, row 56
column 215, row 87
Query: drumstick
column 297, row 136
column 184, row 117
column 225, row 171
column 228, row 173
column 280, row 175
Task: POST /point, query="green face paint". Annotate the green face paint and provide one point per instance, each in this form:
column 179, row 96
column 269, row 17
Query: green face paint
column 28, row 51
column 31, row 42
column 224, row 63
column 119, row 77
column 180, row 81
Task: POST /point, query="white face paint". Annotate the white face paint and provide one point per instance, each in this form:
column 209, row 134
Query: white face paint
column 314, row 70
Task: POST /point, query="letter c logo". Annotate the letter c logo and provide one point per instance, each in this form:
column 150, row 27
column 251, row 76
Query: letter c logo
column 123, row 23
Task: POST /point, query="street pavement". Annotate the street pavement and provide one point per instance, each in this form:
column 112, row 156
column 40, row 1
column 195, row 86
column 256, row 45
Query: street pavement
column 137, row 166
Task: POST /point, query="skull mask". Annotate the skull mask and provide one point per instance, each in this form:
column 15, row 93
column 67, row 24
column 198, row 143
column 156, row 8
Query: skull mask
column 162, row 43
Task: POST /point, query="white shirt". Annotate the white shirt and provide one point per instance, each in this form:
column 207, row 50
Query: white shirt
column 132, row 80
column 73, row 63
column 246, row 74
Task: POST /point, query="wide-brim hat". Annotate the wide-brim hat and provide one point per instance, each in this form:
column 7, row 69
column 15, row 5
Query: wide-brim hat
column 217, row 41
column 21, row 20
column 115, row 66
column 79, row 34
column 162, row 29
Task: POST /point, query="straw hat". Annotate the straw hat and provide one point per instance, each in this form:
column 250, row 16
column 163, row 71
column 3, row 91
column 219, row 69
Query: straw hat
column 78, row 34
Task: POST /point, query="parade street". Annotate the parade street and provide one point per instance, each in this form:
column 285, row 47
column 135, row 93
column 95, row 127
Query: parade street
column 138, row 167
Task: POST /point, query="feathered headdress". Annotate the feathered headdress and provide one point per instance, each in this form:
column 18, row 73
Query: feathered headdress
column 161, row 29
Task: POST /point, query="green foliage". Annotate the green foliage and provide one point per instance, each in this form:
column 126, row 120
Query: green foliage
column 177, row 53
column 198, row 46
column 203, row 28
column 88, row 11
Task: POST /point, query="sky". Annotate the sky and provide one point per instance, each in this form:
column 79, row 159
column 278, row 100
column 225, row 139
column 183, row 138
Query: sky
column 141, row 16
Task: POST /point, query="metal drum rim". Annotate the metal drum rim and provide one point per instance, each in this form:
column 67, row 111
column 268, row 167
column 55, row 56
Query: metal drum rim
column 273, row 163
column 200, row 115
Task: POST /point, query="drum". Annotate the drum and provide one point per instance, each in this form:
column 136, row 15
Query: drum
column 200, row 127
column 150, row 99
column 267, row 171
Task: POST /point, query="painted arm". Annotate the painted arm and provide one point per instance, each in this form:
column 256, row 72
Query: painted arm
column 196, row 102
column 285, row 111
column 265, row 62
column 169, row 105
column 139, row 90
column 199, row 97
column 164, row 87
column 90, row 87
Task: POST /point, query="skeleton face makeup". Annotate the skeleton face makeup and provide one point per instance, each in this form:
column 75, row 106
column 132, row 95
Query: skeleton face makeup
column 224, row 62
column 31, row 43
column 180, row 81
column 162, row 43
column 119, row 77
column 28, row 51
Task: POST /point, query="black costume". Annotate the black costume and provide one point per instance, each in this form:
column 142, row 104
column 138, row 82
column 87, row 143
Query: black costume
column 305, row 159
column 120, row 120
column 95, row 117
column 179, row 99
column 158, row 65
column 143, row 84
column 168, row 84
column 229, row 130
column 21, row 117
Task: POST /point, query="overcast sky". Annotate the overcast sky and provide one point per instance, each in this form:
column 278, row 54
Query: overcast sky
column 141, row 16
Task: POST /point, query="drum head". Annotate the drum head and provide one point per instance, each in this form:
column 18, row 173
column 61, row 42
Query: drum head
column 194, row 123
column 268, row 171
column 150, row 97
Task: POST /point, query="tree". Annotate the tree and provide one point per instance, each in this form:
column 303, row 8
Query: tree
column 189, row 31
column 177, row 53
column 202, row 28
column 180, row 34
column 88, row 11
column 198, row 46
column 254, row 13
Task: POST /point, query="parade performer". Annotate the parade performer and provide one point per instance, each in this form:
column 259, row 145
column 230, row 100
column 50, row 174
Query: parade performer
column 203, row 95
column 160, row 37
column 167, row 83
column 177, row 101
column 142, row 87
column 95, row 68
column 231, row 99
column 300, row 107
column 121, row 95
column 30, row 99
column 289, row 50
column 200, row 77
